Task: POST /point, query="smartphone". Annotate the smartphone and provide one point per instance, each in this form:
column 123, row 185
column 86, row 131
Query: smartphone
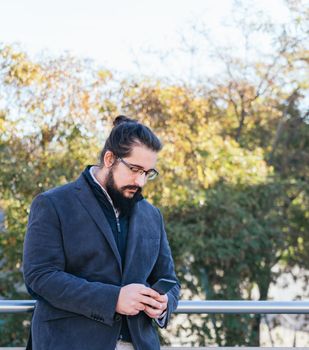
column 163, row 285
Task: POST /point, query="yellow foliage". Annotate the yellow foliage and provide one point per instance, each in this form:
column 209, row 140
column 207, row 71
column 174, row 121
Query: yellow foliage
column 196, row 154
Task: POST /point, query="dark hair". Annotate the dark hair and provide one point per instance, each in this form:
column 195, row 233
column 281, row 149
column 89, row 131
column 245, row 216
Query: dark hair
column 127, row 133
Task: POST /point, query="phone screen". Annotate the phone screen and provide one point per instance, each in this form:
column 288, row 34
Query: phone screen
column 163, row 285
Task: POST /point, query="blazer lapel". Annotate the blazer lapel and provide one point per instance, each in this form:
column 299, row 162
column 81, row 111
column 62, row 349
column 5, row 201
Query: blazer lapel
column 133, row 237
column 89, row 202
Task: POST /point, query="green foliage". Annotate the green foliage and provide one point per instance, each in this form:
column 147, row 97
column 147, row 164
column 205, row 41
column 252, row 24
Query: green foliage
column 51, row 141
column 229, row 245
column 234, row 170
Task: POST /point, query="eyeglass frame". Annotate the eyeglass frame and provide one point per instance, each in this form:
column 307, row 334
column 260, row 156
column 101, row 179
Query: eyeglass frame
column 139, row 170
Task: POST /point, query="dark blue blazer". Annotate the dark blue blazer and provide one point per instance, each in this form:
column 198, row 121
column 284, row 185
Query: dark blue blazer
column 73, row 267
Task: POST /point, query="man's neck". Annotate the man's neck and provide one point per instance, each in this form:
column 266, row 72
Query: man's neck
column 98, row 175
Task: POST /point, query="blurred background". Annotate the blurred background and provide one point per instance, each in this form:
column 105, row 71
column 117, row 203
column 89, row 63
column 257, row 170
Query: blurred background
column 225, row 86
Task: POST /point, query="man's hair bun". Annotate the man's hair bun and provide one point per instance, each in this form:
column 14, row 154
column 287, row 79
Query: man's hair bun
column 127, row 133
column 122, row 119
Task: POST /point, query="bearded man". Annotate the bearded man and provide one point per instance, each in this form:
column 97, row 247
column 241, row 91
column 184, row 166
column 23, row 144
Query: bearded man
column 94, row 248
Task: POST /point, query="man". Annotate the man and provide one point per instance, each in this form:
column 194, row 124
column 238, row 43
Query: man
column 93, row 249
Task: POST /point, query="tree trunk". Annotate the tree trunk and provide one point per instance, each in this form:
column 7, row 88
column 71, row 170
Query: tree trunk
column 256, row 322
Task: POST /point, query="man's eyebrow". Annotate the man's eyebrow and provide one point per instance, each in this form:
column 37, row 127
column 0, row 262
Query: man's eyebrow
column 136, row 165
column 140, row 167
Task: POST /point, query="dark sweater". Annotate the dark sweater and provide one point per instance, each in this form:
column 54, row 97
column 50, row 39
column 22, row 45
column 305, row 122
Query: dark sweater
column 120, row 237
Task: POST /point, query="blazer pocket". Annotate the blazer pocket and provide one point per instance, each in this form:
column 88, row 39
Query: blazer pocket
column 149, row 249
column 151, row 242
column 58, row 314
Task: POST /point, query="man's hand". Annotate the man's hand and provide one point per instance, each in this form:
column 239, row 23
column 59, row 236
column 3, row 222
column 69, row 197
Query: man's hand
column 155, row 312
column 135, row 297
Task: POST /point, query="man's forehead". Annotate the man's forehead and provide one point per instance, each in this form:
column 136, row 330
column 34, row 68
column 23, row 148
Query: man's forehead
column 142, row 156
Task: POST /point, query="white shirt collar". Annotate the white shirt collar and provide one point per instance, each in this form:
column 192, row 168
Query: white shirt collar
column 91, row 171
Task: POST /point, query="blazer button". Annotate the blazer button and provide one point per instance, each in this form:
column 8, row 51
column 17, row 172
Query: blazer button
column 117, row 317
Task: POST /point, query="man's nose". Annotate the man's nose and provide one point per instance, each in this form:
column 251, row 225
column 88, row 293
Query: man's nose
column 140, row 180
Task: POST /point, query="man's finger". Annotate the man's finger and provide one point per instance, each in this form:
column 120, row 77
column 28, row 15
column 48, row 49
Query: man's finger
column 140, row 307
column 150, row 302
column 153, row 313
column 162, row 298
column 150, row 292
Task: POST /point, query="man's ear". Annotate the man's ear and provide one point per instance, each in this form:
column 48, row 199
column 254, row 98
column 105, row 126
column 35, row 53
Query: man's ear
column 109, row 159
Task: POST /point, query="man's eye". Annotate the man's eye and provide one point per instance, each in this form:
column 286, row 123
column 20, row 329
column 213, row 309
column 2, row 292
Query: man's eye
column 135, row 170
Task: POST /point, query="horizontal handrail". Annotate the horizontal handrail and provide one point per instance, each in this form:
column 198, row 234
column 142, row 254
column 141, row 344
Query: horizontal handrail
column 243, row 307
column 198, row 307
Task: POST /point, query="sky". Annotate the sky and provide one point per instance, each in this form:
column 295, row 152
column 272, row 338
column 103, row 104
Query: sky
column 119, row 34
column 131, row 36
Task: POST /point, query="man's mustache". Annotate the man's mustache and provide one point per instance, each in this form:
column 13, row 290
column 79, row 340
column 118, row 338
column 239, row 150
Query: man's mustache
column 131, row 187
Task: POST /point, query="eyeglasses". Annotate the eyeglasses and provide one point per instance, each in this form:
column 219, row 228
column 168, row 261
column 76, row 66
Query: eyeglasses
column 150, row 174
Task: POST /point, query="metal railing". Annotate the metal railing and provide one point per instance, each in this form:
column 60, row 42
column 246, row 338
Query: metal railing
column 198, row 307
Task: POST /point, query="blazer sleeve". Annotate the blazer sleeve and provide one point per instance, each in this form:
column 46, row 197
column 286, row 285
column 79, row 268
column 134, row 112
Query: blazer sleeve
column 164, row 268
column 44, row 269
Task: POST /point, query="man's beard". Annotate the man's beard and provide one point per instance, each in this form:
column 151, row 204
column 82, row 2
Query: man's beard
column 122, row 203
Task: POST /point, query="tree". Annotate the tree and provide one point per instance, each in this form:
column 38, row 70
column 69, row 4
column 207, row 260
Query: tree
column 52, row 124
column 234, row 184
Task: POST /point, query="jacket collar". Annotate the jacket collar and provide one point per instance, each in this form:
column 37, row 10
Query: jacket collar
column 89, row 202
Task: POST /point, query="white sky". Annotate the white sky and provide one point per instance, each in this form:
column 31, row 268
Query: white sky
column 115, row 33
